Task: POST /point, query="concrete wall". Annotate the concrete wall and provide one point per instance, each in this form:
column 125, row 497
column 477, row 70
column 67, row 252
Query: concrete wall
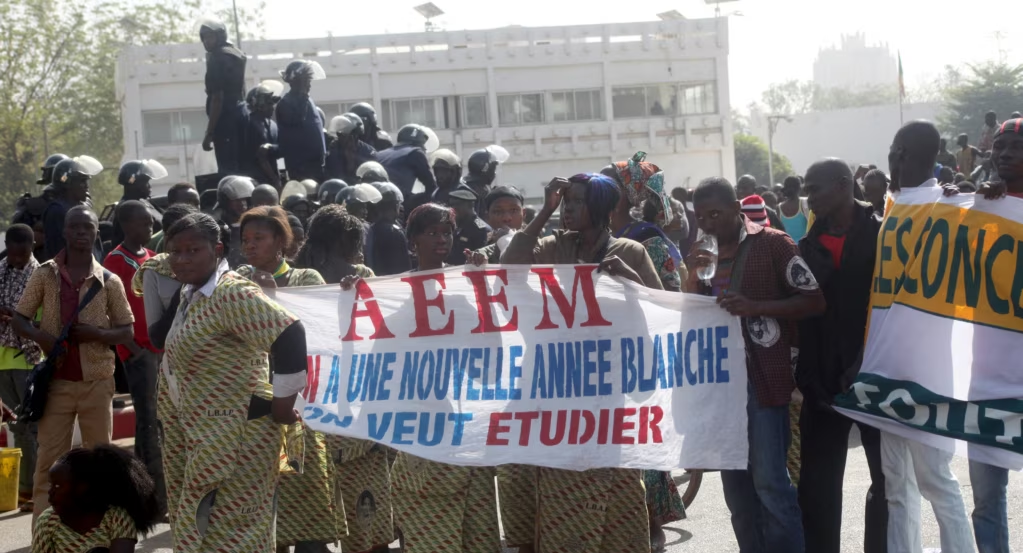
column 859, row 135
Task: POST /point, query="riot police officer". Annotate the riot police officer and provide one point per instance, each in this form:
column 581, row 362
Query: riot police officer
column 372, row 133
column 448, row 169
column 71, row 187
column 135, row 176
column 260, row 152
column 471, row 231
column 389, row 249
column 29, row 209
column 348, row 151
column 481, row 168
column 225, row 89
column 300, row 125
column 407, row 163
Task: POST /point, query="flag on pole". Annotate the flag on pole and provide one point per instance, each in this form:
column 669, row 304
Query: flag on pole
column 900, row 76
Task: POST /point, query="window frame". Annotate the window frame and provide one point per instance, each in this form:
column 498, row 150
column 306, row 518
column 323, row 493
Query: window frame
column 543, row 119
column 388, row 119
column 464, row 120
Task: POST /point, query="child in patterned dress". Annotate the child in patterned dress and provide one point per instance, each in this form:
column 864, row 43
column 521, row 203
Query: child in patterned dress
column 100, row 499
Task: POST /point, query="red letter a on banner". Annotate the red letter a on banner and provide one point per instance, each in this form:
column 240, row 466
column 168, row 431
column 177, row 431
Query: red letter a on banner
column 550, row 286
column 371, row 310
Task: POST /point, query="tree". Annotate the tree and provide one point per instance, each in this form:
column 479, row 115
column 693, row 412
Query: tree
column 790, row 98
column 981, row 88
column 752, row 158
column 57, row 73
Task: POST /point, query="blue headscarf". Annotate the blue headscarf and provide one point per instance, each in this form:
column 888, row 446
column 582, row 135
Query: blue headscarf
column 602, row 196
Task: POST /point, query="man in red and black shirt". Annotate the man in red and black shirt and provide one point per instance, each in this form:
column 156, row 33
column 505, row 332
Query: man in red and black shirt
column 140, row 357
column 840, row 249
column 761, row 278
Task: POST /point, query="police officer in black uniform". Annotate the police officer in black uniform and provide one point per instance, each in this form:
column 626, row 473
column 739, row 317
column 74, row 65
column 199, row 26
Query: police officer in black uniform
column 71, row 185
column 29, row 209
column 372, row 133
column 448, row 169
column 481, row 168
column 135, row 176
column 347, row 151
column 471, row 231
column 225, row 90
column 407, row 162
column 259, row 159
column 300, row 123
column 389, row 249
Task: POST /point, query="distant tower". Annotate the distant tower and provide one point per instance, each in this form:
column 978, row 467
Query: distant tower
column 855, row 65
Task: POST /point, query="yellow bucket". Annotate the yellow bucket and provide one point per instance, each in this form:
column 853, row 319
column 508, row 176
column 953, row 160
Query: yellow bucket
column 10, row 463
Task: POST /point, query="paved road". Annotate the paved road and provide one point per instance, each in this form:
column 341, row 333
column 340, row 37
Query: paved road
column 706, row 530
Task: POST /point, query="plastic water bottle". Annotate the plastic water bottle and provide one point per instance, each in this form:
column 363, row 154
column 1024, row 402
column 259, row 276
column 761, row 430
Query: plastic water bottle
column 708, row 243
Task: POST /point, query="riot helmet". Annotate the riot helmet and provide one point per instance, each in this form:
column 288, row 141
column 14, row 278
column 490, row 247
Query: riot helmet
column 389, row 192
column 212, row 33
column 367, row 113
column 419, row 136
column 47, row 168
column 72, row 176
column 136, row 175
column 235, row 187
column 303, row 69
column 371, row 171
column 263, row 97
column 347, row 124
column 445, row 157
column 328, row 190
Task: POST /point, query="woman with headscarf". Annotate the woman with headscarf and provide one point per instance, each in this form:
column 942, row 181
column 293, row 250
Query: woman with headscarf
column 306, row 515
column 440, row 508
column 565, row 498
column 232, row 419
column 641, row 182
column 642, row 187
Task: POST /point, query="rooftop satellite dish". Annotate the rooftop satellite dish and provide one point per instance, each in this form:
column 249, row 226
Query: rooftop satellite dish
column 429, row 11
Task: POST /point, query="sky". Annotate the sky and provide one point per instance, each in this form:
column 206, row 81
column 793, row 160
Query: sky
column 770, row 42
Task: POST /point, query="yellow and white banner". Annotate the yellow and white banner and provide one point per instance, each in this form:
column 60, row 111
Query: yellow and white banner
column 943, row 355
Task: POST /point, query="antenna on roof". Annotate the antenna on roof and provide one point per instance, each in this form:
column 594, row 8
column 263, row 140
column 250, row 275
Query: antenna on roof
column 671, row 15
column 429, row 11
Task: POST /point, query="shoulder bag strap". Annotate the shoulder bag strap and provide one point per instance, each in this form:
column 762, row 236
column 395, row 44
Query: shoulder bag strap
column 89, row 295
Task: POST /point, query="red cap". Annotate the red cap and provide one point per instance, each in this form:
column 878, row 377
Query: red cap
column 754, row 208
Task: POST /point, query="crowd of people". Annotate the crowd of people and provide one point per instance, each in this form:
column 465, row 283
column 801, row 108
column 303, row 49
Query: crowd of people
column 181, row 301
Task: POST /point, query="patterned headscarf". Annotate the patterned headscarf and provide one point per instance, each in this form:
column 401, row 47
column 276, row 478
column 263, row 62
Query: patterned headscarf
column 642, row 181
column 160, row 263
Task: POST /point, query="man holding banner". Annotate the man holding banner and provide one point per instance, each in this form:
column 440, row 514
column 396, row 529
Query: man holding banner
column 761, row 278
column 948, row 271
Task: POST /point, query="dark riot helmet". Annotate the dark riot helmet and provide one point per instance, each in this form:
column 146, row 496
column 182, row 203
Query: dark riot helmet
column 48, row 166
column 485, row 159
column 81, row 167
column 134, row 171
column 268, row 92
column 366, row 112
column 214, row 27
column 300, row 69
column 419, row 136
column 329, row 189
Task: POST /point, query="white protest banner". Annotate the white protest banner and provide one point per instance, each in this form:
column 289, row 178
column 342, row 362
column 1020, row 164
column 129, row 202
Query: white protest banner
column 943, row 357
column 557, row 366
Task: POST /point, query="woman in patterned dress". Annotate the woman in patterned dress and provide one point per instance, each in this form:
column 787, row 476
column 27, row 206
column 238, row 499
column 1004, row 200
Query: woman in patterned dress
column 305, row 503
column 642, row 187
column 232, row 419
column 100, row 498
column 440, row 508
column 602, row 510
column 360, row 468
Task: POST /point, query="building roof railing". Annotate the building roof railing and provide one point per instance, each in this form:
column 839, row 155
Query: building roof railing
column 686, row 34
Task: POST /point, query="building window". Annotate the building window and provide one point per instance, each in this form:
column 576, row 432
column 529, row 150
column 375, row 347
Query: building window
column 163, row 128
column 579, row 105
column 335, row 109
column 520, row 109
column 398, row 113
column 475, row 111
column 663, row 100
column 698, row 98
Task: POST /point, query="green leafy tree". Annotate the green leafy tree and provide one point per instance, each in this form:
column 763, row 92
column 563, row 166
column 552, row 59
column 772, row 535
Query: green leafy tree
column 752, row 158
column 976, row 90
column 57, row 72
column 792, row 97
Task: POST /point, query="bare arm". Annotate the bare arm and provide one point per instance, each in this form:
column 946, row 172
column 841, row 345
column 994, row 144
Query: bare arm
column 23, row 327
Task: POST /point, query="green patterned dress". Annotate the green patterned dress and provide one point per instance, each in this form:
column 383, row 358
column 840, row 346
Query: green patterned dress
column 216, row 354
column 362, row 474
column 52, row 536
column 306, row 506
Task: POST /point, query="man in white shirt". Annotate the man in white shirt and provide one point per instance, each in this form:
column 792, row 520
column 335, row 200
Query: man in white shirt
column 911, row 467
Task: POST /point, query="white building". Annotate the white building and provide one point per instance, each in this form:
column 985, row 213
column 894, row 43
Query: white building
column 562, row 100
column 856, row 135
column 855, row 65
